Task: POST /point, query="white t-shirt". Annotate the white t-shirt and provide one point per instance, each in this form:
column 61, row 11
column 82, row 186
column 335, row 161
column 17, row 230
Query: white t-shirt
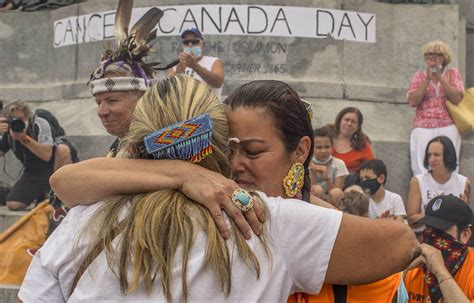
column 429, row 189
column 207, row 62
column 391, row 202
column 45, row 134
column 301, row 239
column 336, row 168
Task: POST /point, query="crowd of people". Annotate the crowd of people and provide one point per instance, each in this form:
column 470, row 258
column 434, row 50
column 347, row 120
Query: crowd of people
column 202, row 199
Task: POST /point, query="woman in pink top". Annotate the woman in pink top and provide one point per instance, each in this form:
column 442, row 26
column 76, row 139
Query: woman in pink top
column 429, row 91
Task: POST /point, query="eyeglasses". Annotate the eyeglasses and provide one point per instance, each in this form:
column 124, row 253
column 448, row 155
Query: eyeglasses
column 433, row 55
column 191, row 42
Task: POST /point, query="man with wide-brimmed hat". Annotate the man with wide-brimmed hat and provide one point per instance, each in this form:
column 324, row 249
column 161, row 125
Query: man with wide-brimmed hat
column 447, row 273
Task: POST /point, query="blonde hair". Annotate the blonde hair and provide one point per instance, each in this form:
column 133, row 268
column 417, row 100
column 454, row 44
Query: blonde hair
column 17, row 106
column 439, row 47
column 156, row 224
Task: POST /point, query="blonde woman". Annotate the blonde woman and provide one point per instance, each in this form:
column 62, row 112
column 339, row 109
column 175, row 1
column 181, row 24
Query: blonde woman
column 168, row 247
column 429, row 91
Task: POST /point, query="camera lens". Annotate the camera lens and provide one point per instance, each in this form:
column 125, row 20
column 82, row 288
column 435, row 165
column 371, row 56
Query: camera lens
column 17, row 125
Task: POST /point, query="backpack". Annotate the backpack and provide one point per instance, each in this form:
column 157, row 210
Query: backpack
column 4, row 190
column 56, row 129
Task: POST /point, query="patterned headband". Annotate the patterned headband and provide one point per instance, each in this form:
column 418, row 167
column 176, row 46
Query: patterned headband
column 188, row 140
column 118, row 84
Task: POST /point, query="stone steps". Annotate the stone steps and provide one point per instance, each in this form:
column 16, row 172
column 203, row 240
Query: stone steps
column 8, row 293
column 8, row 217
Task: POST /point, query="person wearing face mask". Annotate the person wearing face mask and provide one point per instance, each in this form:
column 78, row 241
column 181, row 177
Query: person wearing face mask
column 445, row 270
column 382, row 203
column 429, row 90
column 327, row 172
column 193, row 63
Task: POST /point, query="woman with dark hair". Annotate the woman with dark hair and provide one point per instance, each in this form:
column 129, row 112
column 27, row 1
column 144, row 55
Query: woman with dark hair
column 256, row 99
column 270, row 145
column 351, row 145
column 441, row 179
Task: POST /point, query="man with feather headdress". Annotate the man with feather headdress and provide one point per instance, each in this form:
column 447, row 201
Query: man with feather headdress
column 123, row 75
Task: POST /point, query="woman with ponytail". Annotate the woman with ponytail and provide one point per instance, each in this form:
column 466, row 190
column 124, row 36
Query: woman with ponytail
column 163, row 246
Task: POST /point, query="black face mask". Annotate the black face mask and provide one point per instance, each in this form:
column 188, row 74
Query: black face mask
column 370, row 186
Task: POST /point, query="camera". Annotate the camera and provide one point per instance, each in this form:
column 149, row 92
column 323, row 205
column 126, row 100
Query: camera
column 434, row 70
column 17, row 125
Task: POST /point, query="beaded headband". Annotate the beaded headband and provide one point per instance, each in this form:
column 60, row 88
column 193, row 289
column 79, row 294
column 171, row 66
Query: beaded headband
column 188, row 140
column 132, row 47
column 118, row 84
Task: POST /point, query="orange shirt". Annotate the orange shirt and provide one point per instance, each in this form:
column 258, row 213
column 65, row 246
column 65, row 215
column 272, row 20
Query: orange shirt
column 418, row 291
column 380, row 291
column 354, row 158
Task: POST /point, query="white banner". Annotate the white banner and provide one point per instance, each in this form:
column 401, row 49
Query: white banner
column 214, row 19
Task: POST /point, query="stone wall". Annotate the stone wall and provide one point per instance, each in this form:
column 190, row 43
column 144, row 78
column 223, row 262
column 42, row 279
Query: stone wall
column 466, row 11
column 36, row 71
column 330, row 73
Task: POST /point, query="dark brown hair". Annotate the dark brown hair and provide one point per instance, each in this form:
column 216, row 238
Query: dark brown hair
column 450, row 159
column 326, row 132
column 359, row 139
column 291, row 118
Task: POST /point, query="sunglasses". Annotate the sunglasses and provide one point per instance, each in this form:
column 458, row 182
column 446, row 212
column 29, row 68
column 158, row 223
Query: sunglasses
column 192, row 42
column 433, row 55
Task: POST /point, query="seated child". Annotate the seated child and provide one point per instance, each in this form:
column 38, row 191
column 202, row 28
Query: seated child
column 382, row 203
column 327, row 172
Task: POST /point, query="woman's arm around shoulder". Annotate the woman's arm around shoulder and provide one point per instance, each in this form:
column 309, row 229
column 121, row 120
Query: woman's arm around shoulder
column 367, row 250
column 95, row 179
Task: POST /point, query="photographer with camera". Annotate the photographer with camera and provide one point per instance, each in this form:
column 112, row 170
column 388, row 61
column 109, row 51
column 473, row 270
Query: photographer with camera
column 38, row 142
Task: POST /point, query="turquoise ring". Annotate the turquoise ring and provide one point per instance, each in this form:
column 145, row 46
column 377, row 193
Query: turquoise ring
column 242, row 199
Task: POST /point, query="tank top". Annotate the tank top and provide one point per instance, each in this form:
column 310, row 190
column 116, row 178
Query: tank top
column 429, row 189
column 207, row 62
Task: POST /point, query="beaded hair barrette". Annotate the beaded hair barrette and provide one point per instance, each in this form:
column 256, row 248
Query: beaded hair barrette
column 188, row 140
